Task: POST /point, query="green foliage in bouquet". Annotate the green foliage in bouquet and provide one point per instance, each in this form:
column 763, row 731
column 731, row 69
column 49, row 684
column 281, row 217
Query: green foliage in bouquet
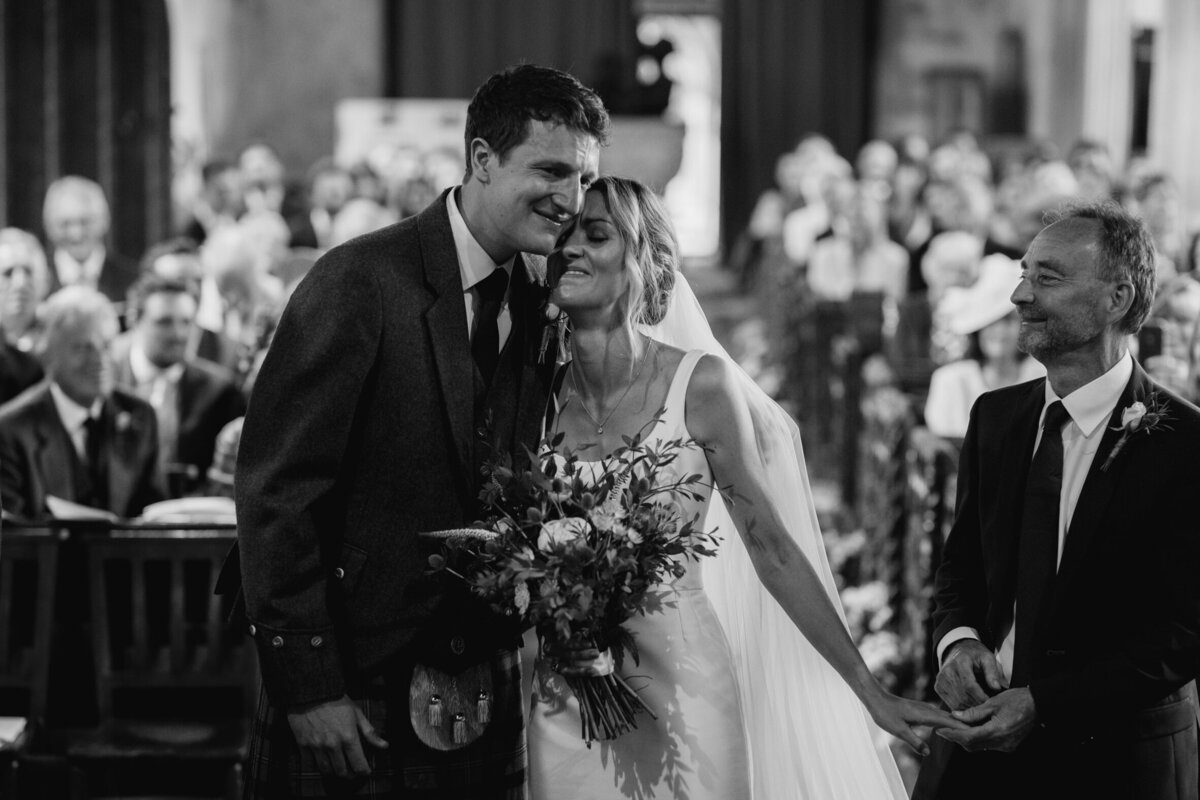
column 579, row 547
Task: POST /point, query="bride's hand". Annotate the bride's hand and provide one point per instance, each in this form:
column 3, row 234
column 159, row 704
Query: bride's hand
column 901, row 717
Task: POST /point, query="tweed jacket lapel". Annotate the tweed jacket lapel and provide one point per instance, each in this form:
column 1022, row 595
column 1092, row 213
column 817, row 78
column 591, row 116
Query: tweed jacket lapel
column 446, row 322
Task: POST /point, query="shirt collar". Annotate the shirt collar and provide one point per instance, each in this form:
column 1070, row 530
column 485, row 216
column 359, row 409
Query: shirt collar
column 1092, row 404
column 88, row 269
column 474, row 264
column 71, row 413
column 146, row 371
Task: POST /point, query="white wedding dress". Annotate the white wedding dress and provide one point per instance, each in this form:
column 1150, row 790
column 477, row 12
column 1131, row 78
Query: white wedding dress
column 696, row 749
column 806, row 735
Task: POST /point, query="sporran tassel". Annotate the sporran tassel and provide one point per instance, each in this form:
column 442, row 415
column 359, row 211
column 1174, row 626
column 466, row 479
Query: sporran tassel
column 460, row 728
column 435, row 711
column 483, row 708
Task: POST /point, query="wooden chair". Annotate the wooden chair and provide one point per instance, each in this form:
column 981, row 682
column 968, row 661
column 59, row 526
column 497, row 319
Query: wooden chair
column 175, row 686
column 28, row 563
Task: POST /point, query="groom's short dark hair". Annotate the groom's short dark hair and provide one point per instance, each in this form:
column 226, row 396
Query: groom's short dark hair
column 504, row 105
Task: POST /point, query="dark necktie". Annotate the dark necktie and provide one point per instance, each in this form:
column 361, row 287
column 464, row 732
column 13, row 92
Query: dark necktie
column 1037, row 557
column 97, row 464
column 485, row 345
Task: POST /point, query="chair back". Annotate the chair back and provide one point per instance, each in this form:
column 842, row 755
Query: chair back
column 28, row 564
column 156, row 623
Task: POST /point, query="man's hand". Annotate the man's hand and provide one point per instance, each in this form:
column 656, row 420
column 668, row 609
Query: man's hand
column 969, row 672
column 1001, row 723
column 333, row 734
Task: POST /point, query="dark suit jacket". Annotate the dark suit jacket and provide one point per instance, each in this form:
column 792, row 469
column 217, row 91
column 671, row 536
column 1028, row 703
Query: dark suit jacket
column 18, row 371
column 117, row 274
column 1119, row 643
column 207, row 399
column 37, row 457
column 361, row 432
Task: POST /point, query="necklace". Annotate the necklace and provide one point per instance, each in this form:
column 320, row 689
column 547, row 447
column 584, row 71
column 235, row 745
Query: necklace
column 601, row 423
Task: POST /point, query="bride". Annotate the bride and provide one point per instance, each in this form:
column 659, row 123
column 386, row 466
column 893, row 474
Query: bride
column 758, row 688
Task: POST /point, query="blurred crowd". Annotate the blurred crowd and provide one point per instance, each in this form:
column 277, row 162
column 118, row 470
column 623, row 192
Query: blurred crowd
column 933, row 235
column 124, row 376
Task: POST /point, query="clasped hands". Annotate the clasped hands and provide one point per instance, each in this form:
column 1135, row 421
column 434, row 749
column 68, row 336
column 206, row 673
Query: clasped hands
column 972, row 685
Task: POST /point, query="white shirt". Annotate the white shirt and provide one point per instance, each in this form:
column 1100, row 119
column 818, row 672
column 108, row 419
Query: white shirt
column 71, row 272
column 474, row 265
column 1090, row 407
column 73, row 417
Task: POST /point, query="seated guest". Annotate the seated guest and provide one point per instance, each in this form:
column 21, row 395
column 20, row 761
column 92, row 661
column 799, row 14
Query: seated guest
column 178, row 259
column 192, row 398
column 76, row 218
column 73, row 436
column 220, row 200
column 22, row 285
column 983, row 313
column 224, row 462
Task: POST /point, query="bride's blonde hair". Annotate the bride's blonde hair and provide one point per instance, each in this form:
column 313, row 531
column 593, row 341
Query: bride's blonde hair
column 651, row 250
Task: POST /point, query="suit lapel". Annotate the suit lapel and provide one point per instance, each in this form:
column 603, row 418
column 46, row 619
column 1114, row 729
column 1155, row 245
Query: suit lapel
column 59, row 461
column 446, row 323
column 1010, row 494
column 1099, row 486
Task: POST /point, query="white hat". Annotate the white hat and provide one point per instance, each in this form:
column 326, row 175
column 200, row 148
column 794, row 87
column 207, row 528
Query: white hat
column 965, row 310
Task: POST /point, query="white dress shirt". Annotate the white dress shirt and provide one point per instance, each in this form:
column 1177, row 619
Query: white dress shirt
column 71, row 272
column 73, row 417
column 475, row 264
column 1090, row 407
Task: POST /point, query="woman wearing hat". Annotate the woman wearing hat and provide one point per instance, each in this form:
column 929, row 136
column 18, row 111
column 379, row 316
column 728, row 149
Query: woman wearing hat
column 984, row 313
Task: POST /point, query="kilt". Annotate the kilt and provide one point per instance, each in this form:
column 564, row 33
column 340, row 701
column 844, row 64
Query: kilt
column 491, row 768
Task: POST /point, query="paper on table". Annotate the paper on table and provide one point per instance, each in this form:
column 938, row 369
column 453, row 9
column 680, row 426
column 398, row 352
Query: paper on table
column 215, row 510
column 67, row 509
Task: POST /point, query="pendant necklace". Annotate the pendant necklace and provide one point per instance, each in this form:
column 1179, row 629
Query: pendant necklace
column 601, row 423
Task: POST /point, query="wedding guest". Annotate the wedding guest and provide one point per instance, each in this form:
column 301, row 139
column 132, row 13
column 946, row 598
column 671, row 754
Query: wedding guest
column 859, row 256
column 983, row 313
column 1067, row 619
column 73, row 436
column 76, row 218
column 403, row 360
column 23, row 283
column 220, row 201
column 330, row 187
column 192, row 398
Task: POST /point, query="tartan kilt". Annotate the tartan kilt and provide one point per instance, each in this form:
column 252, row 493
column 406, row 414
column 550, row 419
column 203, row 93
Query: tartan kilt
column 493, row 767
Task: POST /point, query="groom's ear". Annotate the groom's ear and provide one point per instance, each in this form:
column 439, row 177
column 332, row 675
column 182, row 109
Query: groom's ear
column 482, row 159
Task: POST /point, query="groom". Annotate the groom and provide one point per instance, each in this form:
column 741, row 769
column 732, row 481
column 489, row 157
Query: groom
column 403, row 360
column 1067, row 615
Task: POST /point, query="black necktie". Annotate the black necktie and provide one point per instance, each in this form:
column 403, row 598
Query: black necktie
column 97, row 464
column 485, row 345
column 1037, row 558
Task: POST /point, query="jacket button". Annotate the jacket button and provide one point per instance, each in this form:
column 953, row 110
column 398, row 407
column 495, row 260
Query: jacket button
column 316, row 641
column 458, row 645
column 253, row 630
column 339, row 573
column 277, row 641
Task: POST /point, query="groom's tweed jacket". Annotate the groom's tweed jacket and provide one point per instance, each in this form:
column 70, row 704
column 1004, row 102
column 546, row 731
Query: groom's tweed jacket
column 1118, row 644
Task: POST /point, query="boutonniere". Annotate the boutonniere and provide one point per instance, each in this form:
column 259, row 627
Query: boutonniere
column 554, row 334
column 123, row 422
column 1139, row 418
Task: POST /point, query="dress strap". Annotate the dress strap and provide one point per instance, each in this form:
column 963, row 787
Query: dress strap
column 676, row 402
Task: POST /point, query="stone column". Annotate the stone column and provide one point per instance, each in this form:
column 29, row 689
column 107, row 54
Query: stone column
column 1175, row 103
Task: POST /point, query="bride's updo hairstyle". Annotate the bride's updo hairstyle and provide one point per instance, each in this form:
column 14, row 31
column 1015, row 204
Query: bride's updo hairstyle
column 651, row 250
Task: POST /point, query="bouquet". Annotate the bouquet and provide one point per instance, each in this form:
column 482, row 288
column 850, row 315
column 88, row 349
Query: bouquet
column 573, row 549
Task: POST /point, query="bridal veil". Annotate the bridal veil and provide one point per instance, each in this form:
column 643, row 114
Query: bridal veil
column 810, row 737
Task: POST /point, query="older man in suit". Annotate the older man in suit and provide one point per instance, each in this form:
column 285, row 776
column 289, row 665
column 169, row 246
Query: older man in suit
column 73, row 436
column 192, row 398
column 1068, row 607
column 403, row 360
column 76, row 217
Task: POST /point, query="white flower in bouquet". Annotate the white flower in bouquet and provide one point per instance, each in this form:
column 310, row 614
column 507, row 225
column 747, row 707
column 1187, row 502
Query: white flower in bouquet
column 558, row 532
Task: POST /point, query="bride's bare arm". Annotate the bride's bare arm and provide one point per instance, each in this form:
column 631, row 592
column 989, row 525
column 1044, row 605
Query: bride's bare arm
column 719, row 417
